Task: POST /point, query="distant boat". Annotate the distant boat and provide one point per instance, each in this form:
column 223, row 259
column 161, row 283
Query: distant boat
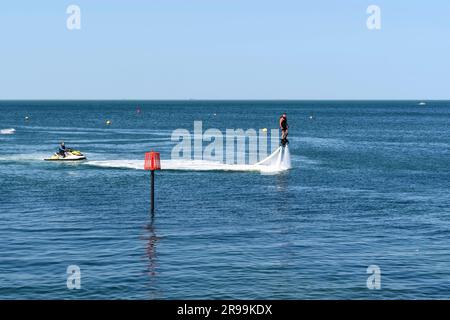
column 422, row 103
column 7, row 131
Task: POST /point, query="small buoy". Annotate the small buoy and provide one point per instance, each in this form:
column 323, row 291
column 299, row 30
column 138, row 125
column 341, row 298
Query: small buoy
column 264, row 129
column 215, row 114
column 108, row 122
column 27, row 118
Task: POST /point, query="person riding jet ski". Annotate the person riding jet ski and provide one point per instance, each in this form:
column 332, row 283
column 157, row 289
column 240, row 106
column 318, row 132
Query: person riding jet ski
column 284, row 129
column 66, row 154
column 62, row 150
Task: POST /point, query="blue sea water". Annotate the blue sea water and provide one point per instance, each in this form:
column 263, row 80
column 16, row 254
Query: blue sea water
column 369, row 186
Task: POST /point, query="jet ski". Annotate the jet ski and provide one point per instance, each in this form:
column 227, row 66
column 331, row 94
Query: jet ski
column 69, row 155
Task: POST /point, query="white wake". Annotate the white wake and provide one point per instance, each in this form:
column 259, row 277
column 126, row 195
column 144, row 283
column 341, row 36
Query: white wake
column 278, row 161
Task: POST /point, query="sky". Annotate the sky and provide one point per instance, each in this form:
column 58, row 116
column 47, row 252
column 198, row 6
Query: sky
column 225, row 49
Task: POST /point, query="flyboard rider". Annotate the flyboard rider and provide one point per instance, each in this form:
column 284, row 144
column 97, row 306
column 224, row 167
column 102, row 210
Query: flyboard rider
column 284, row 129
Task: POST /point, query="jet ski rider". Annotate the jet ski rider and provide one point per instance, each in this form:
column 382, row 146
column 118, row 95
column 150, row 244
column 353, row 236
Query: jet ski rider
column 62, row 150
column 284, row 129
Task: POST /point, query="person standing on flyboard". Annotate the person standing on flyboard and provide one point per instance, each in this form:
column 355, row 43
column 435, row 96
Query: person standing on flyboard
column 284, row 130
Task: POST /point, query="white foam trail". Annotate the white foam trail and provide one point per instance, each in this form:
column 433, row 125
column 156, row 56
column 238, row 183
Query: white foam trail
column 7, row 131
column 276, row 162
column 280, row 158
column 287, row 158
column 195, row 165
column 24, row 157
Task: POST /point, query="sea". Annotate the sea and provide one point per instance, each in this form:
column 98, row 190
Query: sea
column 363, row 211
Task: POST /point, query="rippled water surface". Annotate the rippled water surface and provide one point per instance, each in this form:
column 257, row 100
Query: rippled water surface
column 369, row 186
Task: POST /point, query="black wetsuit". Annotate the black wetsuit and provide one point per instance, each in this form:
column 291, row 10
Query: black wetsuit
column 284, row 131
column 284, row 124
column 62, row 151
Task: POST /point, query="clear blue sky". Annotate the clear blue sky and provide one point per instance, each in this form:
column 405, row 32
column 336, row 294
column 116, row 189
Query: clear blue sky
column 225, row 49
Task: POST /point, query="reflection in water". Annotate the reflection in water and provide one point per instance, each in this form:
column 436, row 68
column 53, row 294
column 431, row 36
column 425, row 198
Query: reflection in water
column 284, row 198
column 282, row 182
column 150, row 251
column 150, row 254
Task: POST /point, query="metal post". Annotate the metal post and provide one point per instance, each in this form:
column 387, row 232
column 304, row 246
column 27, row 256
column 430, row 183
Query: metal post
column 152, row 191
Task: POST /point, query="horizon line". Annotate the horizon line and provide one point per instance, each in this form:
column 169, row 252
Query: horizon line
column 194, row 99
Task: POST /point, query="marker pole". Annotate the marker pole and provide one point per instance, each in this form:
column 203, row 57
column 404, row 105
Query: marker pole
column 152, row 191
column 152, row 162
